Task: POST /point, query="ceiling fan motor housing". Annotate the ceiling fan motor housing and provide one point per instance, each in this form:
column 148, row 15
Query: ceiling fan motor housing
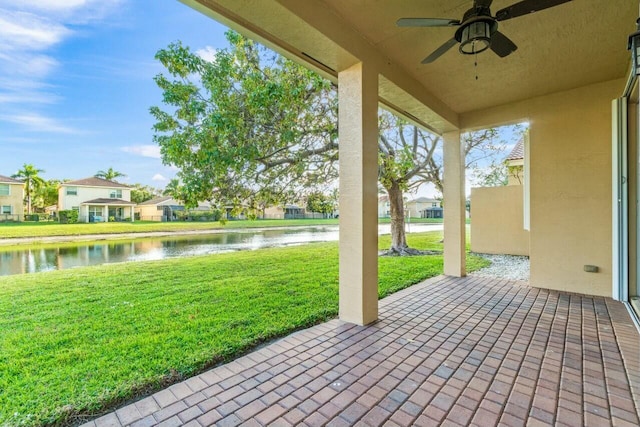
column 475, row 34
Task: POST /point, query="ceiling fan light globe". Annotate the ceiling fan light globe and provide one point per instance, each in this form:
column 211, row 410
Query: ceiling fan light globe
column 475, row 38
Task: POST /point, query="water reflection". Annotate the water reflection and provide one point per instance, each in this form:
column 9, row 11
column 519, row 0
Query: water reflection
column 33, row 260
column 30, row 260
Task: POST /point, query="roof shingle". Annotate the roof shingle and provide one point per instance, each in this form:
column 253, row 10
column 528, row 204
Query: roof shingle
column 518, row 151
column 105, row 201
column 94, row 181
column 7, row 180
column 157, row 200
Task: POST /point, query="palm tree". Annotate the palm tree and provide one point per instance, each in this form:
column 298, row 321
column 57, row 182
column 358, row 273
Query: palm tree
column 172, row 189
column 32, row 181
column 110, row 174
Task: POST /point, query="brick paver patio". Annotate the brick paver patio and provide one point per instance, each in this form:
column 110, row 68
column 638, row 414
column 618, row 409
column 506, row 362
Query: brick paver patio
column 456, row 352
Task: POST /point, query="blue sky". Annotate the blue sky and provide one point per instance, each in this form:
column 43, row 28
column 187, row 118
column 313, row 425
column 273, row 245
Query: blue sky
column 76, row 83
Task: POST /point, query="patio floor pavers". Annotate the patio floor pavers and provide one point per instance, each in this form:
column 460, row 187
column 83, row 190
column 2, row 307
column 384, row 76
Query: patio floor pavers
column 449, row 351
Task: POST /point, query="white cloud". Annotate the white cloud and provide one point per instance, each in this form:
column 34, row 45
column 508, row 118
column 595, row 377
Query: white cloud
column 158, row 177
column 11, row 83
column 152, row 151
column 71, row 11
column 29, row 31
column 20, row 30
column 207, row 53
column 45, row 4
column 38, row 123
column 27, row 66
column 27, row 98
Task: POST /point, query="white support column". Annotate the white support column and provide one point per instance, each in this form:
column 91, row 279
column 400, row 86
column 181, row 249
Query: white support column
column 454, row 206
column 358, row 135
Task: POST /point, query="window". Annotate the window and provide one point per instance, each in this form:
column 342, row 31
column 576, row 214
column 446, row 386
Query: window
column 5, row 190
column 95, row 210
column 72, row 191
column 76, row 208
column 116, row 194
column 6, row 210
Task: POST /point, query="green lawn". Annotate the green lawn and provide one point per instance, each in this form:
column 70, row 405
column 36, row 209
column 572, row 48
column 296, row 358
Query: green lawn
column 43, row 229
column 78, row 341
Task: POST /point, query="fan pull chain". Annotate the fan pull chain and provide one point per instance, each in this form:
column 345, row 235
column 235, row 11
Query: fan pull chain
column 475, row 62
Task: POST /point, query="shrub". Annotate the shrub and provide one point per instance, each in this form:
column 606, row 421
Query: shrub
column 68, row 217
column 211, row 215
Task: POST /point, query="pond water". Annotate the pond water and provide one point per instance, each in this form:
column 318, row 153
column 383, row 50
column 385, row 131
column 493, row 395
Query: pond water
column 33, row 260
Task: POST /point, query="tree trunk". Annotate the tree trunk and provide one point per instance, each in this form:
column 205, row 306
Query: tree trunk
column 398, row 237
column 396, row 204
column 29, row 197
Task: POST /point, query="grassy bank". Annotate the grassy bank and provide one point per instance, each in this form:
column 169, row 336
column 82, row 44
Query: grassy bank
column 79, row 341
column 45, row 229
column 27, row 229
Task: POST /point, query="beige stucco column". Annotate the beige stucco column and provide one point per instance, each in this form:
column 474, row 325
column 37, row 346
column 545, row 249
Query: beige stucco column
column 358, row 135
column 454, row 206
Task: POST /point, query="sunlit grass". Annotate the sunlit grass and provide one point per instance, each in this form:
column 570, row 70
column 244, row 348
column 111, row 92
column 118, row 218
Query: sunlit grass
column 82, row 340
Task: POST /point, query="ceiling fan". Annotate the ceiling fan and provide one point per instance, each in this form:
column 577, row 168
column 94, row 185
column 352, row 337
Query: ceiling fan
column 478, row 28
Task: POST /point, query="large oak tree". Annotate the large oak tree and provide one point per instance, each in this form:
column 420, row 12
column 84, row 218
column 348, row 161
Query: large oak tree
column 248, row 126
column 253, row 127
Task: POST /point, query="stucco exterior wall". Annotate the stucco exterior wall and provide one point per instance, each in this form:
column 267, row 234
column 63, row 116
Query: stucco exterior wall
column 571, row 190
column 497, row 221
column 149, row 212
column 274, row 212
column 415, row 208
column 570, row 176
column 14, row 199
column 68, row 202
column 515, row 172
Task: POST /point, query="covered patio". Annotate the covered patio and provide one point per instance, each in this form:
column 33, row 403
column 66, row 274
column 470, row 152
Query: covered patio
column 104, row 210
column 561, row 350
column 581, row 153
column 449, row 351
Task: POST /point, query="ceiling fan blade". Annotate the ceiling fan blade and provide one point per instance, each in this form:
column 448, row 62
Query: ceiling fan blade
column 483, row 3
column 525, row 7
column 427, row 22
column 440, row 51
column 502, row 45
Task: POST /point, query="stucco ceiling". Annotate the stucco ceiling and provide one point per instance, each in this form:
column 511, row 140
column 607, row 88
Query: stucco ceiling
column 571, row 45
